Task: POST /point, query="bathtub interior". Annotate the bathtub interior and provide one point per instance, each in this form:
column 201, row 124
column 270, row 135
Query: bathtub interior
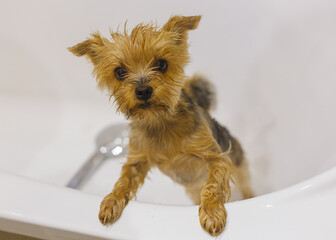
column 272, row 65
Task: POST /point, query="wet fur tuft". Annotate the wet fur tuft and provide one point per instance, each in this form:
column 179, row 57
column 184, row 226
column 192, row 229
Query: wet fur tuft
column 202, row 92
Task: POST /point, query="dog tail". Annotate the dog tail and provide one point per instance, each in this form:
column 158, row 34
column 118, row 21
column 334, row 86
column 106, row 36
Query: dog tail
column 201, row 91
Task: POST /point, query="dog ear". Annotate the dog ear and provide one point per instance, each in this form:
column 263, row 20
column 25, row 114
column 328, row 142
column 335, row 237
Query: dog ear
column 92, row 47
column 181, row 24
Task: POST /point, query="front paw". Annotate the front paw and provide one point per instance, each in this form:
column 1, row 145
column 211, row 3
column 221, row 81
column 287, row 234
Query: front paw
column 111, row 208
column 212, row 218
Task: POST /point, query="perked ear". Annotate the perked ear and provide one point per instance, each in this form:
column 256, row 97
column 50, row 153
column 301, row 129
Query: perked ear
column 181, row 24
column 92, row 47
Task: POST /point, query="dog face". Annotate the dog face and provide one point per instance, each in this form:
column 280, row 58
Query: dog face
column 142, row 70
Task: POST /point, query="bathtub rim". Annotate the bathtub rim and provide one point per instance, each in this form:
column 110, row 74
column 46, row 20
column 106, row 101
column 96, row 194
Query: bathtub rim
column 24, row 215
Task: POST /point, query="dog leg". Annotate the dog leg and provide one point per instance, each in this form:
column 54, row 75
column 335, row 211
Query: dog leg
column 242, row 173
column 132, row 176
column 243, row 179
column 215, row 192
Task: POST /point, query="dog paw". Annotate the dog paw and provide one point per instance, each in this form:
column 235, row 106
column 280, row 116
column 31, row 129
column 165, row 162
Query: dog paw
column 111, row 209
column 212, row 218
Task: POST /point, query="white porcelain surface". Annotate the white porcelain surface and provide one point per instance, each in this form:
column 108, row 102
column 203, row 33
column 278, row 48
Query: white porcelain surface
column 303, row 211
column 273, row 64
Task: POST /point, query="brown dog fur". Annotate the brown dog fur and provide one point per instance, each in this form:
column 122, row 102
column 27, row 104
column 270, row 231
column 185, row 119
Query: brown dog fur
column 172, row 130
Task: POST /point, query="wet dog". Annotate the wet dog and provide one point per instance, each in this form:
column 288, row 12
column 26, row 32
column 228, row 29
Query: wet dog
column 171, row 128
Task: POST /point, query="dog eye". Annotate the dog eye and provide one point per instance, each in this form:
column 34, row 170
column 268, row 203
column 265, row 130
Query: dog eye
column 161, row 66
column 120, row 73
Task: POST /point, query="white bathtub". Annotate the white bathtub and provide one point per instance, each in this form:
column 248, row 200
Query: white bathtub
column 273, row 63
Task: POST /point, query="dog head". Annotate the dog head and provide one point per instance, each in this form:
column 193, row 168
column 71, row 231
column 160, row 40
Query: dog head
column 144, row 69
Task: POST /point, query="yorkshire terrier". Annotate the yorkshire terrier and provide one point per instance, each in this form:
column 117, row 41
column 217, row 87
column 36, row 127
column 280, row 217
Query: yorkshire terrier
column 171, row 127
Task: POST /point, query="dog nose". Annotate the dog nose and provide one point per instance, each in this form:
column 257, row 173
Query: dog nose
column 144, row 93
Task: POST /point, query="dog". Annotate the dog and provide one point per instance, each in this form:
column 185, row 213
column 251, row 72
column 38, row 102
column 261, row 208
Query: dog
column 171, row 128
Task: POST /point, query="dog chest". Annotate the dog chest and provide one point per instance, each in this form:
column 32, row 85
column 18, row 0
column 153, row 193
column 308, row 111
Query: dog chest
column 182, row 168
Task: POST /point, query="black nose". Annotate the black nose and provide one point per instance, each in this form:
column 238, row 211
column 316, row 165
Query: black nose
column 144, row 93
